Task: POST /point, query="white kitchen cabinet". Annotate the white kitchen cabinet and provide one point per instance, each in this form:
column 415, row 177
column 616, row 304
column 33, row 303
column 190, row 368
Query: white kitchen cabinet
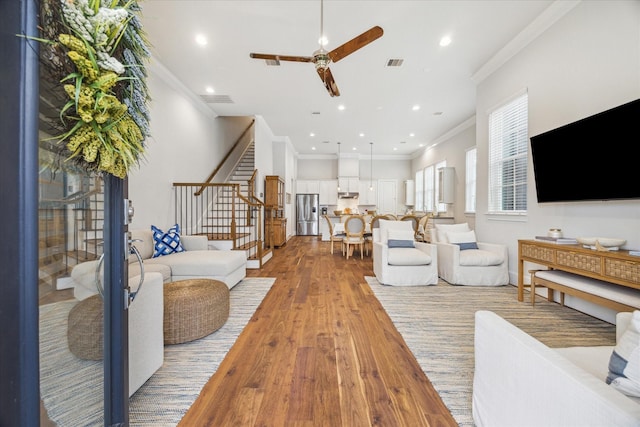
column 349, row 184
column 307, row 187
column 329, row 192
column 368, row 196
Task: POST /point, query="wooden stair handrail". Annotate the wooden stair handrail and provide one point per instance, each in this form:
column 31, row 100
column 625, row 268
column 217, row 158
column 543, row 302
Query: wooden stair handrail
column 224, row 159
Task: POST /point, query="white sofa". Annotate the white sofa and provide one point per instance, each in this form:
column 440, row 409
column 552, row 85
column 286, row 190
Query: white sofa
column 519, row 381
column 403, row 266
column 197, row 261
column 488, row 265
column 146, row 336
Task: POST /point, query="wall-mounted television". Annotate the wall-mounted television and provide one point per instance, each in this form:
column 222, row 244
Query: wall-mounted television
column 596, row 158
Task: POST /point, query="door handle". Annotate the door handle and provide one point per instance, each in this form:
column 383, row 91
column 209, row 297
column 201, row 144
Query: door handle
column 133, row 250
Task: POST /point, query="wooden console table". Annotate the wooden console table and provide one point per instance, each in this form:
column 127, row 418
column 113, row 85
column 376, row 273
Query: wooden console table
column 613, row 266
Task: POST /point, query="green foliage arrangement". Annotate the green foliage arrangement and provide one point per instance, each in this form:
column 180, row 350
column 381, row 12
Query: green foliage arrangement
column 105, row 119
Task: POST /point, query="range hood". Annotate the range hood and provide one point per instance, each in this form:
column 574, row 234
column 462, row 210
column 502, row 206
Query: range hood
column 346, row 195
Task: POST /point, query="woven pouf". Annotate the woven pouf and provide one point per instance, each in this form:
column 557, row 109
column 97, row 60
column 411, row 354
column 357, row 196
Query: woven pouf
column 84, row 333
column 193, row 309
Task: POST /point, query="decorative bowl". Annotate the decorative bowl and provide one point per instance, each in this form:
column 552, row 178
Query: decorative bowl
column 337, row 213
column 607, row 242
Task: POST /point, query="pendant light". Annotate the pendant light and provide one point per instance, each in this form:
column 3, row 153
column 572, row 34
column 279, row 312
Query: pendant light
column 371, row 174
column 338, row 166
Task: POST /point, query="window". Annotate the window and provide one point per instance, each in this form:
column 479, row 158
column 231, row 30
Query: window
column 419, row 191
column 508, row 136
column 429, row 189
column 442, row 207
column 470, row 181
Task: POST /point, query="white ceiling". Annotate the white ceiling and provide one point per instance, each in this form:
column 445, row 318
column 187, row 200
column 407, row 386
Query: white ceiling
column 378, row 99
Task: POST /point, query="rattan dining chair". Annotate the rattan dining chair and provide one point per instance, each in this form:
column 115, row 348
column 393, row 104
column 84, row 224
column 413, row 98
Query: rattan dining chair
column 333, row 237
column 354, row 229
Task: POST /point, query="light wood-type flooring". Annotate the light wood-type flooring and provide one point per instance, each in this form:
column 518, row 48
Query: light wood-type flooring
column 319, row 351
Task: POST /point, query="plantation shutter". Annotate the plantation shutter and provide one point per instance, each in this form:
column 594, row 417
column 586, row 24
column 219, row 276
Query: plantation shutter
column 470, row 181
column 508, row 142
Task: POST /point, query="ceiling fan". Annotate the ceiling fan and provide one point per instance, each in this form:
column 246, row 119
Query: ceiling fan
column 321, row 58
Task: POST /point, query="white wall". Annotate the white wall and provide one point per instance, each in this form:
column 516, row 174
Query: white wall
column 185, row 133
column 587, row 62
column 452, row 149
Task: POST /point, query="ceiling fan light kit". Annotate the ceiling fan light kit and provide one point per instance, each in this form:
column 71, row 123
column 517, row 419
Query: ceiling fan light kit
column 321, row 58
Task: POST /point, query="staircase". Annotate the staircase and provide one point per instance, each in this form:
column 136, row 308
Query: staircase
column 228, row 213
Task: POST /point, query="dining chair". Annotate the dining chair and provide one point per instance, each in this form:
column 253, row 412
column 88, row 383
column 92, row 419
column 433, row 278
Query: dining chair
column 414, row 221
column 338, row 238
column 354, row 229
column 423, row 232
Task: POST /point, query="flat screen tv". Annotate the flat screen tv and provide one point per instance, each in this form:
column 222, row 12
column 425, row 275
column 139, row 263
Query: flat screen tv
column 596, row 158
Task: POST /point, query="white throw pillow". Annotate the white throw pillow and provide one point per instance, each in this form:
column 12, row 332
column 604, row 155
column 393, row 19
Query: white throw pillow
column 386, row 225
column 442, row 229
column 464, row 239
column 624, row 364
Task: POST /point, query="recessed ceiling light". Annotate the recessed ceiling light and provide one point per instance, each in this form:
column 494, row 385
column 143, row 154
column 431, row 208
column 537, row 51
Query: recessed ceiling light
column 313, row 148
column 412, row 134
column 361, row 134
column 201, row 39
column 395, row 148
column 415, row 107
column 341, row 107
column 420, row 145
column 445, row 41
column 209, row 89
column 354, row 148
column 312, row 134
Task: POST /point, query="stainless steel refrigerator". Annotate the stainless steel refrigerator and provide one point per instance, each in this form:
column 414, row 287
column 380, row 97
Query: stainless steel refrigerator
column 307, row 214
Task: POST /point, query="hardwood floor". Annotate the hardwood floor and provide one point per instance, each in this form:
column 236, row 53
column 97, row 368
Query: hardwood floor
column 319, row 351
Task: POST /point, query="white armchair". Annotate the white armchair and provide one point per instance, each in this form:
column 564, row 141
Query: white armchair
column 405, row 261
column 463, row 261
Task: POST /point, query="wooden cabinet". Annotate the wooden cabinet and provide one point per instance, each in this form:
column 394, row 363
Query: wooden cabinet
column 274, row 192
column 613, row 266
column 276, row 229
column 275, row 225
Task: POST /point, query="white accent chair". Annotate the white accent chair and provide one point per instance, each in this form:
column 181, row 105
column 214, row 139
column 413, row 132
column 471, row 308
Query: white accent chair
column 486, row 265
column 411, row 266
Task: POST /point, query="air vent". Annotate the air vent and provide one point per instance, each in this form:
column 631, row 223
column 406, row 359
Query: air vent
column 272, row 62
column 315, row 113
column 394, row 62
column 217, row 99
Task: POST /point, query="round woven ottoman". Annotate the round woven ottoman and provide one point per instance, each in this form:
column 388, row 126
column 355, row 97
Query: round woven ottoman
column 84, row 333
column 193, row 309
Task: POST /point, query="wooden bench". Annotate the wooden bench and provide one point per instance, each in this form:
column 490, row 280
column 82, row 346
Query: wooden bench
column 610, row 295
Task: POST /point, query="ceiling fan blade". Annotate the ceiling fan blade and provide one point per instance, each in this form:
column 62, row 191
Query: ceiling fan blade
column 354, row 44
column 329, row 82
column 281, row 57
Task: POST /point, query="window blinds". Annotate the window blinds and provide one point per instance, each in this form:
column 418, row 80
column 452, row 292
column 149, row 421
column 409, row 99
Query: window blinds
column 508, row 137
column 470, row 181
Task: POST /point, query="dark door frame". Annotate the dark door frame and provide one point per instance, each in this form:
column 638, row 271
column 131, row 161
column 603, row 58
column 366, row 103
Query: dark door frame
column 19, row 312
column 19, row 348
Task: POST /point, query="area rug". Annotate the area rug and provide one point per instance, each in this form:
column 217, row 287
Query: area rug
column 437, row 323
column 71, row 388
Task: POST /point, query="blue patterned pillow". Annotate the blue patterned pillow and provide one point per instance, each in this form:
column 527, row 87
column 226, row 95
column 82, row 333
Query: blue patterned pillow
column 624, row 364
column 166, row 243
